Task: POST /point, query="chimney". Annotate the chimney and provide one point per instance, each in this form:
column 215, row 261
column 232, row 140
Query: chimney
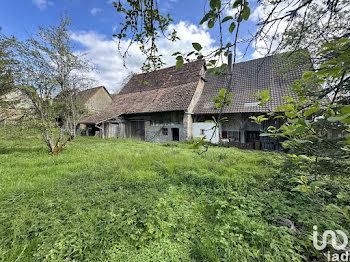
column 229, row 63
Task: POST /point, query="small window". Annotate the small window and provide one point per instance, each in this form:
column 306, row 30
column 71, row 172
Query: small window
column 165, row 131
column 224, row 134
column 202, row 132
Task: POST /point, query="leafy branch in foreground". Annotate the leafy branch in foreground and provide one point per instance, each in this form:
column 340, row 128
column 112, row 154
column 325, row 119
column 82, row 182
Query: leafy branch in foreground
column 144, row 24
column 322, row 107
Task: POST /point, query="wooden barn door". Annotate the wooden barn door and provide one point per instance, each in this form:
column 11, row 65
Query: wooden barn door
column 135, row 130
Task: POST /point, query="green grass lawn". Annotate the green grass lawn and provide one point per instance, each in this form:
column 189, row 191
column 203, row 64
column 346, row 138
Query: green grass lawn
column 125, row 200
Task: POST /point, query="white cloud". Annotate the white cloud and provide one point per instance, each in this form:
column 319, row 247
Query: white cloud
column 231, row 12
column 42, row 4
column 95, row 11
column 103, row 52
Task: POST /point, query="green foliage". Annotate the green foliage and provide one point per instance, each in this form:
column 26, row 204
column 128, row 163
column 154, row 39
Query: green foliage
column 125, row 200
column 179, row 61
column 259, row 119
column 262, row 97
column 222, row 98
column 197, row 46
column 312, row 188
column 8, row 65
column 318, row 111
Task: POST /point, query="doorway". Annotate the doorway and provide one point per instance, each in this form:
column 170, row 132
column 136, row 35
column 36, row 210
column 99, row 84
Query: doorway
column 176, row 134
column 135, row 130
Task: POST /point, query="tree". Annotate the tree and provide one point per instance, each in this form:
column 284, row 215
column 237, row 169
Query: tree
column 8, row 66
column 51, row 74
column 7, row 63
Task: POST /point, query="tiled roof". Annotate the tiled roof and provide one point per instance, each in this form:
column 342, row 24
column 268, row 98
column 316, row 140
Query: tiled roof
column 250, row 78
column 85, row 95
column 168, row 89
column 167, row 77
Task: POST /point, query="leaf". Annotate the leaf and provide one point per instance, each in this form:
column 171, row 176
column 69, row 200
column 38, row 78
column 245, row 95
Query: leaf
column 197, row 46
column 288, row 98
column 342, row 118
column 215, row 4
column 205, row 18
column 209, row 121
column 222, row 93
column 307, row 75
column 301, row 188
column 304, row 179
column 311, row 111
column 284, row 107
column 179, row 62
column 227, row 18
column 211, row 23
column 246, row 13
column 290, row 114
column 317, row 184
column 342, row 196
column 295, row 180
column 236, row 3
column 190, row 53
column 232, row 27
column 299, row 130
column 265, row 95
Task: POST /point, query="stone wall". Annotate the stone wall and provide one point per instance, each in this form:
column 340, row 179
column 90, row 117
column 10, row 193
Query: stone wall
column 160, row 127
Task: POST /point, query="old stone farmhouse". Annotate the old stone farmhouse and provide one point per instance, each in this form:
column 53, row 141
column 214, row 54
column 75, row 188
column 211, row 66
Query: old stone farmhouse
column 173, row 104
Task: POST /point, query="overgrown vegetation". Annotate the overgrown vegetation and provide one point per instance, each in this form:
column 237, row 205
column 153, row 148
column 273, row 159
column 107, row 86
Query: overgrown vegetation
column 125, row 200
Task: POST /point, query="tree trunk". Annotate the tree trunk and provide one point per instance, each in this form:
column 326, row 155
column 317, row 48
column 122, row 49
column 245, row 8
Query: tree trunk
column 57, row 148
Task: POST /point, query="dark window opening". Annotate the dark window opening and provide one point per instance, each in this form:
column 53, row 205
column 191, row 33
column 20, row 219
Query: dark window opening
column 176, row 134
column 208, row 117
column 233, row 136
column 202, row 132
column 253, row 136
column 224, row 134
column 165, row 131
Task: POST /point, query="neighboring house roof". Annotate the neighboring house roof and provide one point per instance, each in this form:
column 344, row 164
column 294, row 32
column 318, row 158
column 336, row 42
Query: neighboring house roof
column 85, row 95
column 168, row 89
column 250, row 78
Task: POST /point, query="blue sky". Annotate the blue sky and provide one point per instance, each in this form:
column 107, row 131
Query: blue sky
column 95, row 21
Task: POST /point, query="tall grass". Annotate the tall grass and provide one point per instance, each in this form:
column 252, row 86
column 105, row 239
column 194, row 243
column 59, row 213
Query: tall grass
column 126, row 200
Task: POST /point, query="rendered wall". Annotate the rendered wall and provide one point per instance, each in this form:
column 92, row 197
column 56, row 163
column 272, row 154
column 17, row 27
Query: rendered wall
column 208, row 131
column 98, row 102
